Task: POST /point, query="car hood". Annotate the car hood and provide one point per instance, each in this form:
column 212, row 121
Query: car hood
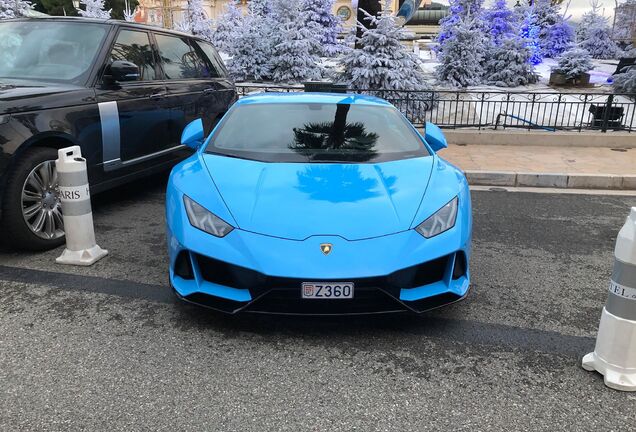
column 299, row 200
column 21, row 95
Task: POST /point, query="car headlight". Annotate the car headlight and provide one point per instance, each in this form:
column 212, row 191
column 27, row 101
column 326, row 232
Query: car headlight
column 442, row 220
column 205, row 220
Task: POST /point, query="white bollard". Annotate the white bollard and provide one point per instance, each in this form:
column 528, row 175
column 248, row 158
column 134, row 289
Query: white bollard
column 75, row 198
column 615, row 352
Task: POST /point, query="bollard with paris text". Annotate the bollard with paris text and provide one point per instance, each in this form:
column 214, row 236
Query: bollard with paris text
column 75, row 197
column 615, row 352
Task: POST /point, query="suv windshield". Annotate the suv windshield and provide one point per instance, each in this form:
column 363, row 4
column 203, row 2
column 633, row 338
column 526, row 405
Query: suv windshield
column 49, row 51
column 316, row 132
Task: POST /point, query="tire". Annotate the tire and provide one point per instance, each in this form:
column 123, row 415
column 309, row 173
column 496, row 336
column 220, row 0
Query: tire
column 20, row 233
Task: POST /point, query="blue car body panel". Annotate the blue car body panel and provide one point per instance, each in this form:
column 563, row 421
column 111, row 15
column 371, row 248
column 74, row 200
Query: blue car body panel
column 283, row 212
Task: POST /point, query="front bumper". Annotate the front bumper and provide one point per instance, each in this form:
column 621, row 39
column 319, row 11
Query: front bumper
column 245, row 271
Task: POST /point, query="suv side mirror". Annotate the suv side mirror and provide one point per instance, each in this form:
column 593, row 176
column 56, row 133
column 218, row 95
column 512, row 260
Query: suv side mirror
column 435, row 138
column 121, row 70
column 193, row 134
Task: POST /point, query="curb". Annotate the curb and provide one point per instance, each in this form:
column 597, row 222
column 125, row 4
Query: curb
column 552, row 180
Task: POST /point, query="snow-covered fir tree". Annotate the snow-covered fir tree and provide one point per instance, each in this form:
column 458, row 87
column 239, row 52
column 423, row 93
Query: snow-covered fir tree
column 197, row 20
column 501, row 21
column 228, row 24
column 530, row 32
column 624, row 20
column 560, row 38
column 319, row 14
column 94, row 9
column 129, row 14
column 295, row 44
column 463, row 55
column 252, row 48
column 595, row 35
column 626, row 82
column 545, row 16
column 14, row 8
column 382, row 62
column 574, row 62
column 461, row 9
column 508, row 64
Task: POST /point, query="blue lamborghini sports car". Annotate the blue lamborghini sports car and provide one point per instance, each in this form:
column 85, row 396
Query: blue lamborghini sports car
column 315, row 203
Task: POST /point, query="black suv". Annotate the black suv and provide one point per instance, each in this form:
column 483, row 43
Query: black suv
column 121, row 91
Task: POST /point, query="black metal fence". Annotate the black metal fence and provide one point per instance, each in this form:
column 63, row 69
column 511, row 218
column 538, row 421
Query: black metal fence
column 500, row 110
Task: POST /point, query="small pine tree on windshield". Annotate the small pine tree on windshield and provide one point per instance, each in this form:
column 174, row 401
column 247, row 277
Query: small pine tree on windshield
column 509, row 64
column 295, row 44
column 463, row 56
column 14, row 8
column 501, row 22
column 197, row 20
column 319, row 14
column 574, row 62
column 626, row 82
column 94, row 9
column 228, row 25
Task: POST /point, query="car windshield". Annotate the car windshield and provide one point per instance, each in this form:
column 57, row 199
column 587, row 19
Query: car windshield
column 316, row 132
column 49, row 51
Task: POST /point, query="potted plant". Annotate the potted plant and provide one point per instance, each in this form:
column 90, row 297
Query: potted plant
column 572, row 68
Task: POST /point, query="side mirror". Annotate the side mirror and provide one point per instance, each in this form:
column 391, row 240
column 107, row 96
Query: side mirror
column 193, row 134
column 435, row 138
column 121, row 70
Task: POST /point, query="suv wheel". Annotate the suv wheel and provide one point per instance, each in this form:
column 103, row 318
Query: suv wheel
column 32, row 215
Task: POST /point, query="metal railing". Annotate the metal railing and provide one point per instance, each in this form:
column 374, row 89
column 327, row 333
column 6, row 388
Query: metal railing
column 456, row 109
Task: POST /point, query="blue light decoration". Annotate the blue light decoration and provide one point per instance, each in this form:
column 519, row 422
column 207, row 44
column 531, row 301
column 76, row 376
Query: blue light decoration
column 530, row 32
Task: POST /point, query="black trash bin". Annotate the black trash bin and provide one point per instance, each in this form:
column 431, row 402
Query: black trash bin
column 614, row 116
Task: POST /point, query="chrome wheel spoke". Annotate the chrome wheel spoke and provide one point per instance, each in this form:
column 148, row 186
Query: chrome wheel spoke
column 30, row 196
column 39, row 221
column 40, row 202
column 29, row 212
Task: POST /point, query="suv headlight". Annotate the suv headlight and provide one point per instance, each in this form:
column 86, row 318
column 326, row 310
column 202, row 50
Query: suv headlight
column 205, row 220
column 442, row 220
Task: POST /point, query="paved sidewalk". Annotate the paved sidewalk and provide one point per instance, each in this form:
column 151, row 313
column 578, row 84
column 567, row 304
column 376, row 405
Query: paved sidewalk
column 541, row 166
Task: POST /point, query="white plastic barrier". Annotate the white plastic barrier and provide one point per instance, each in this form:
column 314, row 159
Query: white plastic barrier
column 81, row 248
column 615, row 352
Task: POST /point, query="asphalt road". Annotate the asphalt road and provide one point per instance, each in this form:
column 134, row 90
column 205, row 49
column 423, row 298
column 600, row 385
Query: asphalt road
column 108, row 348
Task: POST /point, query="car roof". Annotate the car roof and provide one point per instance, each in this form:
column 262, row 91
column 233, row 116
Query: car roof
column 110, row 21
column 313, row 97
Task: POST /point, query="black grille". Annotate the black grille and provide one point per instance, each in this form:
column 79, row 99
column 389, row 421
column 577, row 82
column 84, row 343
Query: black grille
column 460, row 265
column 365, row 301
column 183, row 266
column 222, row 273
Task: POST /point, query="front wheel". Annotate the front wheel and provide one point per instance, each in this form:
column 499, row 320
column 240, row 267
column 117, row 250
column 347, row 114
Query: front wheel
column 31, row 210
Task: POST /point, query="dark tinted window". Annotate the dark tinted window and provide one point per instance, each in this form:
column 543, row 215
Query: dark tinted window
column 289, row 132
column 180, row 59
column 214, row 58
column 49, row 51
column 134, row 46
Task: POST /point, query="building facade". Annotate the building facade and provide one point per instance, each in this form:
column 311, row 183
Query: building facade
column 167, row 13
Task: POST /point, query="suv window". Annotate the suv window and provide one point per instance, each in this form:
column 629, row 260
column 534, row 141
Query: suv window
column 181, row 60
column 214, row 58
column 134, row 46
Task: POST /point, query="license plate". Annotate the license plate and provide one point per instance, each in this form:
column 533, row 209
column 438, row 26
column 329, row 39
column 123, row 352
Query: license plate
column 327, row 290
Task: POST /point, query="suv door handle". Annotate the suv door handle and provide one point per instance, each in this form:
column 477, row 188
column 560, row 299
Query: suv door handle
column 209, row 90
column 157, row 96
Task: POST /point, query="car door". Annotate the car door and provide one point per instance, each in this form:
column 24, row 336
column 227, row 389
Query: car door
column 191, row 82
column 136, row 111
column 215, row 103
